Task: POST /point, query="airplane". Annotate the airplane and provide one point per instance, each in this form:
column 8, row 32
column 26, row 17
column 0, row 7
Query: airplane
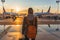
column 6, row 15
column 42, row 13
column 47, row 14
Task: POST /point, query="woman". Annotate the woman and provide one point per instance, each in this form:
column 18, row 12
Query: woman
column 29, row 28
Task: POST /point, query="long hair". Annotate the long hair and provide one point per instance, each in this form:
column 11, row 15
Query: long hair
column 30, row 11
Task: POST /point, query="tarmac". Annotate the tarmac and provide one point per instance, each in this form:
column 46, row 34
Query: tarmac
column 43, row 33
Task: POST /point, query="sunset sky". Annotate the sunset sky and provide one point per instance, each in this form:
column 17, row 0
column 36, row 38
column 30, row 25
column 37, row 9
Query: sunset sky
column 35, row 4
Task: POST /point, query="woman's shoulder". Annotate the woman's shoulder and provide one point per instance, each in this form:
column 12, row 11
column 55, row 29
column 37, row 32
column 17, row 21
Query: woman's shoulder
column 32, row 17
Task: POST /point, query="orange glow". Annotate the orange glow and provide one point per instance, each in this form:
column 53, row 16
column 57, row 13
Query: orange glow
column 25, row 11
column 15, row 35
column 19, row 21
column 17, row 9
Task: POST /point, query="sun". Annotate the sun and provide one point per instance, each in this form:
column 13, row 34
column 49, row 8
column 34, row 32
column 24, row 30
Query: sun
column 17, row 9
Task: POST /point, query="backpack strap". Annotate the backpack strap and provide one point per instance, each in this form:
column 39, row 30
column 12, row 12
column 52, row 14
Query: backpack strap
column 28, row 22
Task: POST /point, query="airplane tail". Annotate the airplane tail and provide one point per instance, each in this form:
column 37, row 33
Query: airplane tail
column 49, row 9
column 42, row 10
column 4, row 10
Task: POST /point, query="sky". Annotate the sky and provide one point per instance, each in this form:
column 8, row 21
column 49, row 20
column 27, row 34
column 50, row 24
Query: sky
column 35, row 4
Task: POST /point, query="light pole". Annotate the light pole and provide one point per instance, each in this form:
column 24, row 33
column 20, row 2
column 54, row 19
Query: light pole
column 57, row 1
column 3, row 1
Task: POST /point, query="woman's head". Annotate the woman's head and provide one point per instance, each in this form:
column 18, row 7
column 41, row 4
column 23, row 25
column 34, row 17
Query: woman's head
column 30, row 11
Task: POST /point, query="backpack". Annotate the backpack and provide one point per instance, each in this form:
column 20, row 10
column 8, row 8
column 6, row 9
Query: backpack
column 31, row 29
